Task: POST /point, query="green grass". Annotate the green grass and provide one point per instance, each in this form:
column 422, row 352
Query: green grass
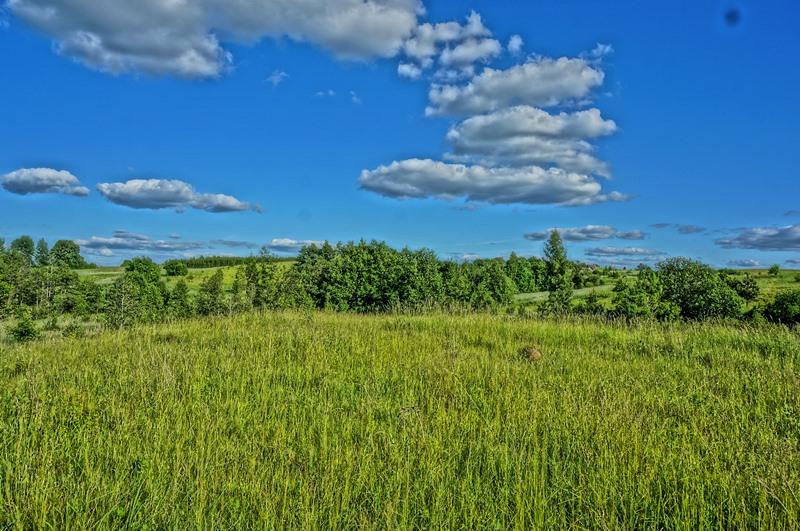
column 315, row 420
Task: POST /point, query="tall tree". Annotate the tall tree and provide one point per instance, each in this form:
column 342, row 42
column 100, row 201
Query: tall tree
column 24, row 247
column 67, row 253
column 559, row 274
column 42, row 253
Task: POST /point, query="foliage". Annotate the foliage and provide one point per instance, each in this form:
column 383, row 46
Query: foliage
column 559, row 275
column 774, row 270
column 24, row 247
column 746, row 287
column 209, row 300
column 176, row 268
column 785, row 308
column 25, row 329
column 67, row 253
column 697, row 290
column 42, row 253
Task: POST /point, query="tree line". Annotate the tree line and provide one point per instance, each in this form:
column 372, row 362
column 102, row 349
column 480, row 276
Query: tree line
column 40, row 283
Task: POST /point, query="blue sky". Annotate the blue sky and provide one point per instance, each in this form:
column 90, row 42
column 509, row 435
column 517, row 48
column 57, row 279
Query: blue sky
column 297, row 119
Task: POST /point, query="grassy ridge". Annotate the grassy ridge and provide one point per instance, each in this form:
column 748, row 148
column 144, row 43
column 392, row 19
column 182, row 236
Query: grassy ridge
column 318, row 420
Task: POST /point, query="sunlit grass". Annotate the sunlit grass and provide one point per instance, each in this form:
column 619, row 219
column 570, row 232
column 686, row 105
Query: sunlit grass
column 315, row 420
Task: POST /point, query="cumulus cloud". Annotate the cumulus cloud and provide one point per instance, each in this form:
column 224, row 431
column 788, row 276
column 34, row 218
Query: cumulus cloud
column 288, row 245
column 409, row 70
column 428, row 39
column 587, row 233
column 540, row 82
column 425, row 178
column 470, row 51
column 123, row 240
column 744, row 263
column 765, row 239
column 42, row 181
column 528, row 135
column 515, row 44
column 163, row 193
column 792, row 213
column 183, row 38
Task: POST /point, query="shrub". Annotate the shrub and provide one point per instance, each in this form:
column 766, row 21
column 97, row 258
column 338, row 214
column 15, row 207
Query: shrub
column 774, row 270
column 746, row 287
column 176, row 268
column 697, row 290
column 25, row 330
column 73, row 330
column 785, row 308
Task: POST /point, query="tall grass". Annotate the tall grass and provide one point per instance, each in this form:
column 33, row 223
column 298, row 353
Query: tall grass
column 315, row 420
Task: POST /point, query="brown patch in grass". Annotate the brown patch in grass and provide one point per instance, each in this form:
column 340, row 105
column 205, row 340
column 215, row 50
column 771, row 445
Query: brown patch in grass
column 531, row 353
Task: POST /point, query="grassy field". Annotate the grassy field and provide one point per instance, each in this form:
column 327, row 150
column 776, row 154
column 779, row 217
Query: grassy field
column 314, row 420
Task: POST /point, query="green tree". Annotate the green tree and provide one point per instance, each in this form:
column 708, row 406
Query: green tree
column 697, row 290
column 774, row 270
column 67, row 253
column 209, row 299
column 519, row 269
column 176, row 268
column 559, row 276
column 24, row 247
column 179, row 305
column 42, row 253
column 123, row 304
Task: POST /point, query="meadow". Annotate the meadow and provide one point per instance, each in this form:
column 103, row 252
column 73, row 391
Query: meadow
column 321, row 420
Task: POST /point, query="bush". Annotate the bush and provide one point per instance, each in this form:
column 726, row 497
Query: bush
column 176, row 268
column 697, row 290
column 746, row 287
column 25, row 330
column 73, row 330
column 785, row 308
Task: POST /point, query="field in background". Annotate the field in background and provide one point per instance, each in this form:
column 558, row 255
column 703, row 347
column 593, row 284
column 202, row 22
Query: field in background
column 196, row 276
column 318, row 420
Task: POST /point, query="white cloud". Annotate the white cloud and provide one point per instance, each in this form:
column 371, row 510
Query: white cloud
column 355, row 98
column 123, row 240
column 425, row 178
column 600, row 51
column 515, row 44
column 587, row 233
column 409, row 70
column 527, row 135
column 326, row 93
column 288, row 245
column 470, row 51
column 182, row 38
column 540, row 82
column 765, row 239
column 277, row 77
column 42, row 181
column 162, row 193
column 427, row 39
